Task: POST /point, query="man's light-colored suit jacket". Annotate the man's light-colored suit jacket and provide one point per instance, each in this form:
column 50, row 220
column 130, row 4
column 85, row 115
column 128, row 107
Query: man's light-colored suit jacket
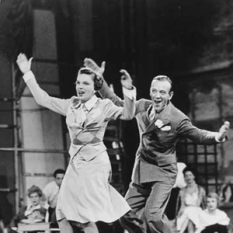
column 156, row 154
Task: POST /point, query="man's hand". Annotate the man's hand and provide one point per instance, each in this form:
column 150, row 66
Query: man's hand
column 89, row 63
column 126, row 80
column 23, row 63
column 223, row 131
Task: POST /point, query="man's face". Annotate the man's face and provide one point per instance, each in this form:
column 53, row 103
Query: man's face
column 160, row 94
column 85, row 87
column 58, row 179
column 212, row 203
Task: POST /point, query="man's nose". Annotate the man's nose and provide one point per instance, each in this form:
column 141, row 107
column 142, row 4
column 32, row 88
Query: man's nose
column 157, row 95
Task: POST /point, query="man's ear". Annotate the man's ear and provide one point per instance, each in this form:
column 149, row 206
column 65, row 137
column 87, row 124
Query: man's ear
column 171, row 95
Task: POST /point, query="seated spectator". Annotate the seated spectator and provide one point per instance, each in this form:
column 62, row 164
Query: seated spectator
column 34, row 212
column 191, row 200
column 1, row 223
column 226, row 193
column 212, row 219
column 51, row 191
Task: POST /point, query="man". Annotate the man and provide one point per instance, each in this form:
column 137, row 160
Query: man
column 160, row 126
column 51, row 191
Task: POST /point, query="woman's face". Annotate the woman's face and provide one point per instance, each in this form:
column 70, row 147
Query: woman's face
column 189, row 177
column 85, row 87
column 212, row 203
column 34, row 198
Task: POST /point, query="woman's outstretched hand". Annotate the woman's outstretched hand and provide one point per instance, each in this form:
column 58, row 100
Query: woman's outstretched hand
column 126, row 80
column 91, row 64
column 23, row 63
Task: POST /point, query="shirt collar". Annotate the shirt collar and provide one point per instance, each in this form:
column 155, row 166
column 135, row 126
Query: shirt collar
column 91, row 102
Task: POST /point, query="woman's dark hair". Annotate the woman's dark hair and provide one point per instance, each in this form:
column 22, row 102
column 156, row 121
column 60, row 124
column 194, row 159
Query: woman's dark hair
column 98, row 80
column 35, row 189
column 190, row 169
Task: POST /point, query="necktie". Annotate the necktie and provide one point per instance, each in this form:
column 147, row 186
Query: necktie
column 152, row 114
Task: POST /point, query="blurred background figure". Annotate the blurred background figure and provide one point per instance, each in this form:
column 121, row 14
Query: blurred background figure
column 212, row 219
column 226, row 192
column 33, row 212
column 191, row 200
column 1, row 223
column 50, row 192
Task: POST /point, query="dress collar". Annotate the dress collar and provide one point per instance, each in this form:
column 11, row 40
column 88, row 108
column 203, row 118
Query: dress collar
column 89, row 104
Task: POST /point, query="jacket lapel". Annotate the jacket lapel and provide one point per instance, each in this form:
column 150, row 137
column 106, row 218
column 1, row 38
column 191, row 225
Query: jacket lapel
column 164, row 116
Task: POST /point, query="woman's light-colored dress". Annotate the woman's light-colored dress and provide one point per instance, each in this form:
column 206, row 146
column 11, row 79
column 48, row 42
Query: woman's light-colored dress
column 192, row 209
column 207, row 218
column 85, row 194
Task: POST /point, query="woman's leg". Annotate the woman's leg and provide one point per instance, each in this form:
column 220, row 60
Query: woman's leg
column 191, row 227
column 89, row 227
column 184, row 226
column 65, row 226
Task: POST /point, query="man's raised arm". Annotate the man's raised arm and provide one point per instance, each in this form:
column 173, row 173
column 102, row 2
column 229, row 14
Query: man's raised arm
column 106, row 91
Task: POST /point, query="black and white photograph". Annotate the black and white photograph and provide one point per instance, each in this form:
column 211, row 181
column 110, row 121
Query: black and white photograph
column 116, row 116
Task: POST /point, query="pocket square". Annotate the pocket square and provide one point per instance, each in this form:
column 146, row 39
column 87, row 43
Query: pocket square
column 166, row 128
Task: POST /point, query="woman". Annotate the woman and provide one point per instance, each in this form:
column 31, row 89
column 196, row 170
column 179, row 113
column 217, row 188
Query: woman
column 85, row 195
column 212, row 219
column 191, row 199
column 34, row 212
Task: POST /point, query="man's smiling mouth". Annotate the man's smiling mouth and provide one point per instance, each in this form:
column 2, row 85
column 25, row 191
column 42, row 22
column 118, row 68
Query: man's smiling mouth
column 81, row 93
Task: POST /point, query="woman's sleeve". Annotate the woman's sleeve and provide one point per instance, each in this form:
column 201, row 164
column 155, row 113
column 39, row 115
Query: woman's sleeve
column 129, row 107
column 224, row 219
column 42, row 98
column 127, row 112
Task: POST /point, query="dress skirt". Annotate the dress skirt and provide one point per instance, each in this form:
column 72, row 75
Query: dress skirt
column 86, row 195
column 191, row 213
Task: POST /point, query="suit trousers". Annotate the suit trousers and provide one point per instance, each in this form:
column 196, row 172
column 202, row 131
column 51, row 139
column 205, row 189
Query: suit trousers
column 148, row 202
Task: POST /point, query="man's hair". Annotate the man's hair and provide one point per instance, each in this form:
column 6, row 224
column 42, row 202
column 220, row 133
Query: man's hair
column 35, row 189
column 98, row 81
column 163, row 78
column 58, row 171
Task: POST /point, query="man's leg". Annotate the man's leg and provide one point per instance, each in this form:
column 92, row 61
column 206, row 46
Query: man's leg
column 156, row 204
column 136, row 198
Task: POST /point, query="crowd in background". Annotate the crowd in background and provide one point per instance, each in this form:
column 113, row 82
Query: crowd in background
column 40, row 207
column 191, row 210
